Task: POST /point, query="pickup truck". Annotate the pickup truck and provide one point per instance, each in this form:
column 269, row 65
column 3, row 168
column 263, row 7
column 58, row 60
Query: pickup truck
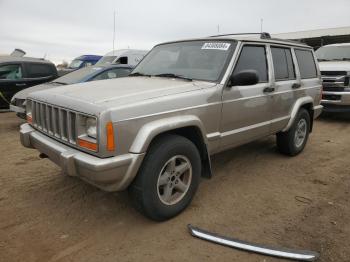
column 334, row 62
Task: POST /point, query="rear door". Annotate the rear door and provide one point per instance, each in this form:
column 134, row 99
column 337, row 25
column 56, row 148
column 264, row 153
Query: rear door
column 38, row 73
column 11, row 81
column 246, row 111
column 286, row 84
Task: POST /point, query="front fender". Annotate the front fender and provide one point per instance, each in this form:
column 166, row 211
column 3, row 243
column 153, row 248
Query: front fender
column 297, row 105
column 150, row 130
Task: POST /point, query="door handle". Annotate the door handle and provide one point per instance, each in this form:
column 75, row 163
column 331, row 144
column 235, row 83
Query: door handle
column 269, row 90
column 19, row 85
column 296, row 86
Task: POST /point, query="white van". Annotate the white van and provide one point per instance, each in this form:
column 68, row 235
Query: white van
column 123, row 56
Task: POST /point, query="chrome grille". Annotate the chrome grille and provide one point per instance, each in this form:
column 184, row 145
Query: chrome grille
column 335, row 81
column 334, row 73
column 55, row 121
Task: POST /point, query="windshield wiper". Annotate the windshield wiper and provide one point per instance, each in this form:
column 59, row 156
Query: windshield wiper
column 138, row 74
column 320, row 59
column 346, row 59
column 173, row 76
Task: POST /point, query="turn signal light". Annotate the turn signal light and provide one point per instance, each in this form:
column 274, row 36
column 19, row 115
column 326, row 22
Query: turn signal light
column 110, row 137
column 29, row 119
column 87, row 144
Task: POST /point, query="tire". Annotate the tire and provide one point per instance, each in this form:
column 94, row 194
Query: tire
column 287, row 142
column 152, row 189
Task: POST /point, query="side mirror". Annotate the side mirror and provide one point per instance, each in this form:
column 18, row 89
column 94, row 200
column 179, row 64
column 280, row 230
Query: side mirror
column 244, row 78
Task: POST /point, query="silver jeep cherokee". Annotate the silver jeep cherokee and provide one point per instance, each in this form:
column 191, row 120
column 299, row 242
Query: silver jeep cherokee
column 153, row 133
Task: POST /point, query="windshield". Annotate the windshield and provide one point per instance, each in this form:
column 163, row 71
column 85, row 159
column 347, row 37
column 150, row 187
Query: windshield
column 106, row 60
column 199, row 60
column 75, row 64
column 77, row 76
column 333, row 53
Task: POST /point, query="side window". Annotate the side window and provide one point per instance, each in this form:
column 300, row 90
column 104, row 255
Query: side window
column 38, row 70
column 11, row 72
column 253, row 58
column 122, row 60
column 114, row 73
column 306, row 63
column 283, row 63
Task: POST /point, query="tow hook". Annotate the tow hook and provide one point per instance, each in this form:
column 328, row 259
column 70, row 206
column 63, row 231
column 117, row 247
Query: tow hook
column 42, row 156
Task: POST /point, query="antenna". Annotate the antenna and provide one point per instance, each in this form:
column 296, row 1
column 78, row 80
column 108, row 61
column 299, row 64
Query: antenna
column 261, row 24
column 218, row 29
column 113, row 30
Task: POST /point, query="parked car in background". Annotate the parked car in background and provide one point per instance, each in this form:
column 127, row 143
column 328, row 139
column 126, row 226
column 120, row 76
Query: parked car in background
column 123, row 56
column 91, row 73
column 334, row 61
column 18, row 73
column 155, row 131
column 80, row 62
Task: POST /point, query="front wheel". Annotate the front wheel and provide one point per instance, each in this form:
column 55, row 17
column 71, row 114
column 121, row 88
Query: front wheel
column 167, row 179
column 294, row 140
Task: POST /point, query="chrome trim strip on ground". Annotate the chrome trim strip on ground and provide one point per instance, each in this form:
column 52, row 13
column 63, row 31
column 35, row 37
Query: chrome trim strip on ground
column 303, row 255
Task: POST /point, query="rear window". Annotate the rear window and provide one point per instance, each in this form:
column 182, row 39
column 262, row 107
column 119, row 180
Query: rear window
column 306, row 62
column 283, row 63
column 38, row 70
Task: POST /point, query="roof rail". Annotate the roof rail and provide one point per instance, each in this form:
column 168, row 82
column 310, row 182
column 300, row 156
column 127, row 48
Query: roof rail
column 289, row 41
column 263, row 35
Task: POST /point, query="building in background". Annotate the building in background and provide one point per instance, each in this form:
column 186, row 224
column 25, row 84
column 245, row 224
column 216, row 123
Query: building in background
column 320, row 37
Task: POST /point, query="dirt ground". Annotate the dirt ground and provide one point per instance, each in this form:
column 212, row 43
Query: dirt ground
column 256, row 194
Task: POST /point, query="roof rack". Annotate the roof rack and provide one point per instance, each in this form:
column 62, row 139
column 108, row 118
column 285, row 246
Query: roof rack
column 288, row 41
column 263, row 35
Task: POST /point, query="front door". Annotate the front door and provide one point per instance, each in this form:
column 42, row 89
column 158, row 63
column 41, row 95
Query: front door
column 11, row 81
column 246, row 111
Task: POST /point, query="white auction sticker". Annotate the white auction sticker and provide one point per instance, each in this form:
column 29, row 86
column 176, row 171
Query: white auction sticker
column 217, row 46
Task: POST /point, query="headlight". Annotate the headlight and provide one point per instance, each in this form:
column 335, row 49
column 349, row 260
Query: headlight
column 91, row 127
column 29, row 112
column 347, row 81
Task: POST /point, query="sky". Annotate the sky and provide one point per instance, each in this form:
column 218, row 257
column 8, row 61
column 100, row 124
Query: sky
column 64, row 29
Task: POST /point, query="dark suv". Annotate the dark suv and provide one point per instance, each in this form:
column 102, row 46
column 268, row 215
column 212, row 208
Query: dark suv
column 18, row 73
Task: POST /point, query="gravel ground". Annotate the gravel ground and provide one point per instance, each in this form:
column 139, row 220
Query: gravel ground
column 256, row 194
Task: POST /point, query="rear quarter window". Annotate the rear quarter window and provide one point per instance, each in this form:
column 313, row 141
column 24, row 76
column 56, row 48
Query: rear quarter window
column 306, row 62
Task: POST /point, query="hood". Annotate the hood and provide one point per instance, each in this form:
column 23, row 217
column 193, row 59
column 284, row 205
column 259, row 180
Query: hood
column 335, row 66
column 117, row 92
column 23, row 94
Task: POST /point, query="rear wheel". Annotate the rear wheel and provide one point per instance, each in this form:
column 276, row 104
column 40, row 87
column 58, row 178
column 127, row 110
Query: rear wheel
column 294, row 140
column 167, row 179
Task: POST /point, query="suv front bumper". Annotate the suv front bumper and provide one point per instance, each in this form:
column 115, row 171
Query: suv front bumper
column 109, row 174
